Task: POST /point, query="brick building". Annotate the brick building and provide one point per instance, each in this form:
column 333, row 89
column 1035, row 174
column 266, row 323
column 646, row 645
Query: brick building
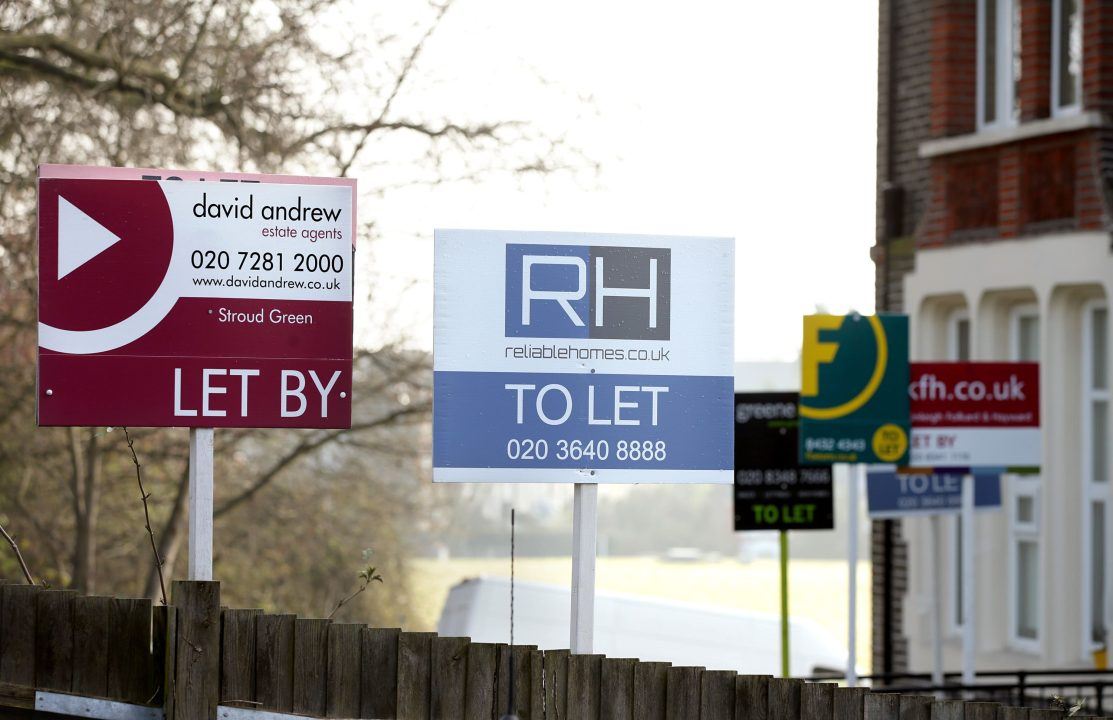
column 994, row 212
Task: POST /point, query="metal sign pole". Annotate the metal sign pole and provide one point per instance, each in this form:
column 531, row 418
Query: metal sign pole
column 856, row 472
column 200, row 504
column 584, row 531
column 785, row 667
column 969, row 612
column 936, row 604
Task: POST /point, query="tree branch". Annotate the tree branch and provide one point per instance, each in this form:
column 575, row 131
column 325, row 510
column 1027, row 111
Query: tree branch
column 146, row 513
column 19, row 555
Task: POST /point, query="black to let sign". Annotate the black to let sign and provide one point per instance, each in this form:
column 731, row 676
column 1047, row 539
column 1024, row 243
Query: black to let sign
column 771, row 490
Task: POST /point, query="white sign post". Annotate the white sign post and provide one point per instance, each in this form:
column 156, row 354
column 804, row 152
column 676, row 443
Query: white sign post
column 584, row 359
column 584, row 535
column 969, row 611
column 857, row 474
column 200, row 504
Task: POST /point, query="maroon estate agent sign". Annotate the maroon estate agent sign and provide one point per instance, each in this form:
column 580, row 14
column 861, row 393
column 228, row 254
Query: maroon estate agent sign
column 975, row 414
column 171, row 298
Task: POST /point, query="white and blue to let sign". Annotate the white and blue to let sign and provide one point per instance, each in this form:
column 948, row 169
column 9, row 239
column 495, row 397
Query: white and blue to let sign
column 567, row 357
column 894, row 494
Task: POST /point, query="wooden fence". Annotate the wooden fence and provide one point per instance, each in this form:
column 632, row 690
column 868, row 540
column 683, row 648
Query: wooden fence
column 244, row 663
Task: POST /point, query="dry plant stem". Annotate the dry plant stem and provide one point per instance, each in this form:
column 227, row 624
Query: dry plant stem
column 346, row 600
column 147, row 514
column 19, row 555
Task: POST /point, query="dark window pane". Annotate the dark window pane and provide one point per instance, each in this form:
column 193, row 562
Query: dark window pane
column 1070, row 52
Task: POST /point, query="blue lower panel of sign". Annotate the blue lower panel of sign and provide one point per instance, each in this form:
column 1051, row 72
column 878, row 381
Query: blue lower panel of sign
column 546, row 421
column 894, row 494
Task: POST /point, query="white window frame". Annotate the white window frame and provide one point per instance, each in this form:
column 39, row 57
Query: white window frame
column 1028, row 486
column 954, row 625
column 1005, row 98
column 1058, row 110
column 1093, row 491
column 1024, row 486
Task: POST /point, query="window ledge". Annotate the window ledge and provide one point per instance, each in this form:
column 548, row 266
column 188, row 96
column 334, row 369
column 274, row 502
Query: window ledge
column 1031, row 129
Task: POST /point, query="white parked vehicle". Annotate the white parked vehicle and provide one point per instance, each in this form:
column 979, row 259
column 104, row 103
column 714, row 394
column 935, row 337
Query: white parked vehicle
column 631, row 626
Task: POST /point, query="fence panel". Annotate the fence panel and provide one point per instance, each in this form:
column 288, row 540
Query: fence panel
column 414, row 656
column 129, row 650
column 274, row 662
column 345, row 665
column 90, row 645
column 237, row 656
column 881, row 706
column 584, row 675
column 784, row 698
column 54, row 640
column 17, row 634
column 682, row 695
column 751, row 697
column 556, row 684
column 717, row 695
column 378, row 692
column 448, row 678
column 479, row 688
column 616, row 700
column 521, row 680
column 310, row 666
column 850, row 703
column 651, row 690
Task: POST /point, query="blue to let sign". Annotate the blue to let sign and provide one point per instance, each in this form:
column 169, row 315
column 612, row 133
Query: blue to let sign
column 893, row 494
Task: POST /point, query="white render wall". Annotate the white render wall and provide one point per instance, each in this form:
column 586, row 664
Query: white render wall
column 1060, row 273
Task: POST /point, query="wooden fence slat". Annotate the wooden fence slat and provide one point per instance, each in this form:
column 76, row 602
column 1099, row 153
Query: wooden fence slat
column 717, row 695
column 274, row 662
column 784, row 698
column 817, row 701
column 537, row 684
column 556, row 684
column 164, row 629
column 682, row 698
column 378, row 692
column 881, row 706
column 448, row 678
column 414, row 656
column 345, row 658
column 479, row 688
column 310, row 666
column 237, row 655
column 751, row 697
column 915, row 707
column 948, row 710
column 54, row 640
column 17, row 634
column 651, row 690
column 197, row 652
column 584, row 674
column 1045, row 714
column 520, row 680
column 129, row 650
column 616, row 695
column 850, row 703
column 1007, row 712
column 982, row 710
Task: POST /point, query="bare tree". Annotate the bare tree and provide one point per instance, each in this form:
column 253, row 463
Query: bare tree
column 305, row 86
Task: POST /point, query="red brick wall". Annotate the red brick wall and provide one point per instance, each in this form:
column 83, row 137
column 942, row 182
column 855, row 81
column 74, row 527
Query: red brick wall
column 1097, row 55
column 953, row 67
column 1024, row 187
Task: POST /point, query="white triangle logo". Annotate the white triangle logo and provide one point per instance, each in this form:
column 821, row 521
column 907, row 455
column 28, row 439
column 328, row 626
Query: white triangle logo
column 80, row 238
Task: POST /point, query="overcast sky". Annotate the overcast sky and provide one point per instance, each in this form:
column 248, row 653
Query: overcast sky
column 749, row 119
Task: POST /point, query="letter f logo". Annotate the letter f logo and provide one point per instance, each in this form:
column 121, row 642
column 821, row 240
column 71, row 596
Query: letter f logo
column 817, row 351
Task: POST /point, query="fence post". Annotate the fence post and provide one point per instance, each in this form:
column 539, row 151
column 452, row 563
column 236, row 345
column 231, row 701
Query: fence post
column 196, row 683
